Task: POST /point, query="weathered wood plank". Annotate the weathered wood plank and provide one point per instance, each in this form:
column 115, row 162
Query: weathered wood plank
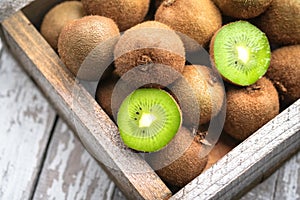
column 250, row 160
column 263, row 191
column 288, row 181
column 98, row 133
column 8, row 7
column 70, row 172
column 283, row 184
column 25, row 125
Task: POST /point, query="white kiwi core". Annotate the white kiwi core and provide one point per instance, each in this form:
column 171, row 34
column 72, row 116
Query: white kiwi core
column 243, row 54
column 146, row 120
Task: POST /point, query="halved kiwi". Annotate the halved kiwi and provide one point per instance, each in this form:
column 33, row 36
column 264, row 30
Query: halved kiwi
column 148, row 119
column 240, row 52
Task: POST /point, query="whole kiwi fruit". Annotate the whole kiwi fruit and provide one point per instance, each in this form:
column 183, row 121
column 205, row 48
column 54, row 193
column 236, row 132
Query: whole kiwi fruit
column 198, row 91
column 249, row 108
column 198, row 20
column 149, row 52
column 242, row 9
column 281, row 22
column 86, row 46
column 126, row 13
column 284, row 72
column 57, row 18
column 104, row 94
column 182, row 159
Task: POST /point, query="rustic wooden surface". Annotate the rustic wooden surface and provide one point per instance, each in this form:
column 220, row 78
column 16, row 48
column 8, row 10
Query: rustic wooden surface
column 69, row 172
column 25, row 125
column 272, row 151
column 8, row 7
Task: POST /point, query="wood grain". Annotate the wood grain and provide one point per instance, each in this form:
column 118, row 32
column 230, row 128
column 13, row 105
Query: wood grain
column 283, row 184
column 71, row 173
column 250, row 160
column 25, row 125
column 97, row 132
column 8, row 7
column 264, row 150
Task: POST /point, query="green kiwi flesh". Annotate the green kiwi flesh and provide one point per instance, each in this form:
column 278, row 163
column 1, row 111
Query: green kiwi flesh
column 281, row 22
column 126, row 13
column 148, row 119
column 284, row 72
column 81, row 38
column 57, row 18
column 241, row 53
column 242, row 9
column 249, row 108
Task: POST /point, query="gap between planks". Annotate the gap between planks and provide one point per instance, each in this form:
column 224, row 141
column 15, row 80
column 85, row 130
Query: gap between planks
column 71, row 173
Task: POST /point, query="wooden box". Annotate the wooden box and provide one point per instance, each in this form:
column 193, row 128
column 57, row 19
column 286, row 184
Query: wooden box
column 247, row 164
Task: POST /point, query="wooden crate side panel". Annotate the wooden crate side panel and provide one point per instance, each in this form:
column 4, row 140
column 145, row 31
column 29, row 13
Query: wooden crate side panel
column 97, row 131
column 250, row 160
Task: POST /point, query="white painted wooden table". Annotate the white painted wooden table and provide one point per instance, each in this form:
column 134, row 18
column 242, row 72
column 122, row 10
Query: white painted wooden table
column 41, row 159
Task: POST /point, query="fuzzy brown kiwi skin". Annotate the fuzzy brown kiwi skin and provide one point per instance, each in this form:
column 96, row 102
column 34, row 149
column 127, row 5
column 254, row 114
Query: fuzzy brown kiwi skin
column 162, row 59
column 104, row 94
column 284, row 72
column 57, row 18
column 79, row 38
column 242, row 9
column 207, row 91
column 126, row 13
column 203, row 16
column 249, row 108
column 187, row 166
column 281, row 22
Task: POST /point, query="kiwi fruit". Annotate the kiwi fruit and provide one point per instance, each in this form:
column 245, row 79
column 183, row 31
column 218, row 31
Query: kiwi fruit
column 240, row 52
column 126, row 13
column 157, row 3
column 249, row 108
column 198, row 91
column 86, row 46
column 281, row 22
column 198, row 20
column 148, row 119
column 242, row 9
column 187, row 159
column 104, row 93
column 149, row 52
column 224, row 145
column 284, row 72
column 57, row 18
